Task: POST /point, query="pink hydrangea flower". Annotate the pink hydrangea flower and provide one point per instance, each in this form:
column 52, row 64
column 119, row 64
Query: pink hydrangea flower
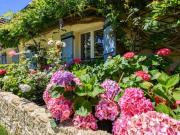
column 60, row 108
column 163, row 52
column 147, row 123
column 107, row 110
column 85, row 122
column 111, row 89
column 77, row 81
column 46, row 96
column 143, row 75
column 129, row 55
column 133, row 102
column 120, row 126
column 12, row 53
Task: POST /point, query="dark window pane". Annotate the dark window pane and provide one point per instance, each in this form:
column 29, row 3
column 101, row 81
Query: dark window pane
column 98, row 44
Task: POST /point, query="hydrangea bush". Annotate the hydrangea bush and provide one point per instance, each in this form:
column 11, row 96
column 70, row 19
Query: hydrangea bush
column 89, row 94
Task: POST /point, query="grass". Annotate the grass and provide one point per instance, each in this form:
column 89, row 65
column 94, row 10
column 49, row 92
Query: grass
column 3, row 131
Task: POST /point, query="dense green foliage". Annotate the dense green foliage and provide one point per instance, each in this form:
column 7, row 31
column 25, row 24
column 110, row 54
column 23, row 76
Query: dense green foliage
column 121, row 70
column 148, row 23
column 143, row 19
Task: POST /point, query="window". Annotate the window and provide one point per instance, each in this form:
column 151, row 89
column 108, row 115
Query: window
column 98, row 44
column 86, row 46
column 92, row 45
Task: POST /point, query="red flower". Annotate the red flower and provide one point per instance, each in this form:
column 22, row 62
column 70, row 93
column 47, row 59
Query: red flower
column 69, row 88
column 145, row 76
column 163, row 52
column 77, row 61
column 160, row 100
column 2, row 72
column 129, row 55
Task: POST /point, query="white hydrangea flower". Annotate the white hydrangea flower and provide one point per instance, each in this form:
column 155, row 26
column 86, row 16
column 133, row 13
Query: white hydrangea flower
column 50, row 42
column 5, row 78
column 24, row 88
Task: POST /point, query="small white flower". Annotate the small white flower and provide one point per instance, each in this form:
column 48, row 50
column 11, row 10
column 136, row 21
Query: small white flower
column 58, row 42
column 5, row 78
column 50, row 42
column 24, row 88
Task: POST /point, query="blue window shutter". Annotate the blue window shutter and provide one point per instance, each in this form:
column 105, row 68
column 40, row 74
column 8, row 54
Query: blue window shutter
column 68, row 51
column 109, row 41
column 15, row 59
column 3, row 59
column 0, row 58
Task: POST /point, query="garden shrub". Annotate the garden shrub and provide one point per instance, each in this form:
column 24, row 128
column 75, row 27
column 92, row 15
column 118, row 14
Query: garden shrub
column 24, row 82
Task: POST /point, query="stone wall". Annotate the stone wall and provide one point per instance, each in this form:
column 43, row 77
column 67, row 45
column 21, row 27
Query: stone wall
column 22, row 117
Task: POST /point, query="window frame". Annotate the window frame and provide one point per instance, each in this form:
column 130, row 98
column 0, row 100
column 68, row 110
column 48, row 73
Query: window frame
column 92, row 41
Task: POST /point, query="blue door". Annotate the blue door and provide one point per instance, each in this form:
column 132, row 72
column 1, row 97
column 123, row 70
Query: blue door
column 67, row 52
column 30, row 57
column 109, row 42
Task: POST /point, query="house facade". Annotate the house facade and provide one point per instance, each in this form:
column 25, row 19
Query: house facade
column 86, row 38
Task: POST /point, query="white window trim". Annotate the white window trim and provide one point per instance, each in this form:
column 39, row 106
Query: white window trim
column 91, row 41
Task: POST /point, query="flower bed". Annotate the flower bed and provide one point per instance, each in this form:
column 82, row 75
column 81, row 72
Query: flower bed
column 114, row 93
column 108, row 96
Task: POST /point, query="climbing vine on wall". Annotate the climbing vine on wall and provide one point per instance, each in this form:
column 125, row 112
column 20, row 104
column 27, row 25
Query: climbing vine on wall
column 145, row 21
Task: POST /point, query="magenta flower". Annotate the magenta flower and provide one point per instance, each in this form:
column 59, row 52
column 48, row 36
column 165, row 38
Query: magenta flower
column 163, row 52
column 62, row 78
column 85, row 122
column 133, row 102
column 60, row 108
column 107, row 110
column 120, row 126
column 147, row 123
column 111, row 89
column 129, row 55
column 46, row 96
column 77, row 81
column 143, row 75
